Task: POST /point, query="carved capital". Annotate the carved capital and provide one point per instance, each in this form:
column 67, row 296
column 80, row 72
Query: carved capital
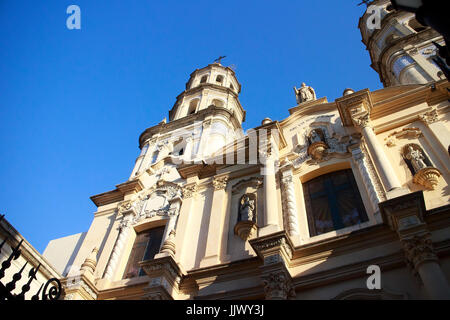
column 362, row 121
column 418, row 249
column 189, row 191
column 278, row 285
column 220, row 183
column 430, row 116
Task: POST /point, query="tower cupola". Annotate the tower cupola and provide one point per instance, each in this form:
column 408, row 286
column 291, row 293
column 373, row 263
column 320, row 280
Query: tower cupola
column 401, row 49
column 213, row 85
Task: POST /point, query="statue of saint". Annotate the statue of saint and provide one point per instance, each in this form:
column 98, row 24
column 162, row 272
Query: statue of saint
column 247, row 208
column 315, row 137
column 417, row 158
column 304, row 93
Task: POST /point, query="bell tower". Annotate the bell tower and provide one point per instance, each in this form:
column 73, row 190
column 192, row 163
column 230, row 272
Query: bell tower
column 401, row 49
column 206, row 116
column 213, row 85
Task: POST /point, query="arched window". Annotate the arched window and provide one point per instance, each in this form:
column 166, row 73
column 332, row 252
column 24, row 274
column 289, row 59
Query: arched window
column 203, row 79
column 145, row 247
column 231, row 86
column 219, row 79
column 333, row 202
column 218, row 103
column 155, row 156
column 193, row 106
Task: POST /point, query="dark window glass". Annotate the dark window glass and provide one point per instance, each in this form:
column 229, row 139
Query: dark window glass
column 145, row 247
column 333, row 202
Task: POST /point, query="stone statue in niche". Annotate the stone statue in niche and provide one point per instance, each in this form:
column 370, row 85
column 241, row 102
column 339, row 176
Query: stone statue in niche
column 245, row 227
column 423, row 171
column 417, row 158
column 304, row 93
column 247, row 208
column 315, row 137
column 317, row 147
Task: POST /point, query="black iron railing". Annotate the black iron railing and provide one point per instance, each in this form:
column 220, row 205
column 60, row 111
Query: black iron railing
column 51, row 290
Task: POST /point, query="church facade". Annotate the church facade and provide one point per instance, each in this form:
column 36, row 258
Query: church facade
column 343, row 199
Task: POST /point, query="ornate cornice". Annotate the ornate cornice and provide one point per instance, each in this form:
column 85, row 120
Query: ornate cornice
column 201, row 115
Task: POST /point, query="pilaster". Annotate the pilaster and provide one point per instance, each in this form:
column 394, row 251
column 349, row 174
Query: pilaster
column 216, row 222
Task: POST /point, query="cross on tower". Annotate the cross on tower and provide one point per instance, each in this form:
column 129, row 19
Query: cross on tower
column 366, row 2
column 219, row 59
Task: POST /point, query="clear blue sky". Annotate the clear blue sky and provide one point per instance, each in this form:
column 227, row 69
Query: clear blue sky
column 74, row 102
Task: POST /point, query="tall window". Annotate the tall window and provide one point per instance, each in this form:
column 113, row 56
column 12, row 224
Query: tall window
column 145, row 247
column 333, row 202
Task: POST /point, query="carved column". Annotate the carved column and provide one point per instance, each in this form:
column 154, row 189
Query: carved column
column 382, row 163
column 122, row 238
column 290, row 203
column 216, row 222
column 405, row 216
column 374, row 190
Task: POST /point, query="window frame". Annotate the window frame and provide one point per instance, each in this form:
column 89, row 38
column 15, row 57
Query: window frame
column 329, row 190
column 132, row 261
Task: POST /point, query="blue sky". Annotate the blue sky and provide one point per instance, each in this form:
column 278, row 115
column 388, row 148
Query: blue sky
column 74, row 102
